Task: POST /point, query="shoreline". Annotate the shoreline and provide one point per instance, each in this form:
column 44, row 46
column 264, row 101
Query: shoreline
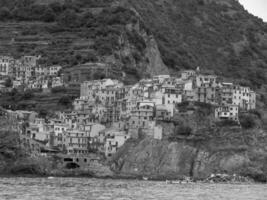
column 130, row 178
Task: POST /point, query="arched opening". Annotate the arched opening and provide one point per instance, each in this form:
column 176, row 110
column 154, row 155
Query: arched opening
column 72, row 165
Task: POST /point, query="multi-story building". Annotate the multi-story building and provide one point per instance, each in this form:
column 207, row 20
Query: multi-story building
column 75, row 142
column 41, row 71
column 57, row 82
column 208, row 95
column 89, row 88
column 114, row 140
column 229, row 112
column 54, row 70
column 226, row 94
column 5, row 65
column 142, row 114
column 244, row 97
column 206, row 80
column 171, row 95
column 160, row 79
column 30, row 61
column 185, row 75
column 165, row 112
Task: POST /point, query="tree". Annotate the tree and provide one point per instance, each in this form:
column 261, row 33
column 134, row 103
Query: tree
column 48, row 16
column 247, row 121
column 56, row 7
column 27, row 95
column 4, row 13
column 68, row 18
column 65, row 101
column 43, row 113
column 8, row 83
column 183, row 130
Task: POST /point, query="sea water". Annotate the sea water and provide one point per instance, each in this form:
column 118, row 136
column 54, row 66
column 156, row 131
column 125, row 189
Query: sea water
column 104, row 189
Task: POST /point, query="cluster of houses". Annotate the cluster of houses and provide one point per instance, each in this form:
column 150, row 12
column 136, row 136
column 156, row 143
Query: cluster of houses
column 26, row 72
column 108, row 113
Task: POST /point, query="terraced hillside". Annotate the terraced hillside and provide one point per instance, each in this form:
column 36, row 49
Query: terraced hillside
column 141, row 38
column 77, row 32
column 218, row 35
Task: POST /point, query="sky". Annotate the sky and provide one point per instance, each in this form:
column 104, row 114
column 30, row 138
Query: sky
column 256, row 7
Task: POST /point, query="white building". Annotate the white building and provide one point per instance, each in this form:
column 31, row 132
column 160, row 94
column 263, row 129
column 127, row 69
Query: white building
column 57, row 82
column 229, row 112
column 54, row 70
column 114, row 140
column 185, row 75
column 204, row 80
column 41, row 71
column 171, row 95
column 160, row 78
column 5, row 65
column 88, row 88
column 244, row 97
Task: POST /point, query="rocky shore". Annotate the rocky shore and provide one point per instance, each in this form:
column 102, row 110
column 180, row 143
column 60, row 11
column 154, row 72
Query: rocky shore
column 219, row 150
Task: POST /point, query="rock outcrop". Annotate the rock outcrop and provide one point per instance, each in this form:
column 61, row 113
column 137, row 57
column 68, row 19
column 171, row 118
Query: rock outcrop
column 218, row 148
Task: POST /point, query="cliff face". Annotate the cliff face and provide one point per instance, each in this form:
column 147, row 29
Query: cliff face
column 198, row 159
column 217, row 35
column 197, row 146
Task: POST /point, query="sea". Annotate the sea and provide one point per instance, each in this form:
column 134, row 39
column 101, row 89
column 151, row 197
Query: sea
column 105, row 189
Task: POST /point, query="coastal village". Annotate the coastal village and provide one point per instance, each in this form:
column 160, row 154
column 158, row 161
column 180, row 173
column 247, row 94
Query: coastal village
column 108, row 113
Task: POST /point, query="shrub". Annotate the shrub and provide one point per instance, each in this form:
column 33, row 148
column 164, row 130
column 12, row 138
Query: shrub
column 256, row 112
column 58, row 90
column 183, row 130
column 4, row 13
column 136, row 40
column 43, row 113
column 8, row 82
column 99, row 75
column 65, row 101
column 48, row 16
column 27, row 95
column 247, row 121
column 68, row 19
column 227, row 123
column 56, row 7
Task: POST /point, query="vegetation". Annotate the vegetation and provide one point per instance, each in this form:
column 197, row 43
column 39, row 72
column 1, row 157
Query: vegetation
column 248, row 121
column 213, row 35
column 183, row 130
column 8, row 82
column 226, row 123
column 75, row 33
column 65, row 101
column 58, row 90
column 40, row 102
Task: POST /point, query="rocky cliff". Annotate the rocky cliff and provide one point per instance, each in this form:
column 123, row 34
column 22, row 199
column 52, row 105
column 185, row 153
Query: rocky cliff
column 198, row 159
column 217, row 35
column 188, row 149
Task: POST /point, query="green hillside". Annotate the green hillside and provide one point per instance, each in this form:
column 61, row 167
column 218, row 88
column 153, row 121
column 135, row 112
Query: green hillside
column 217, row 35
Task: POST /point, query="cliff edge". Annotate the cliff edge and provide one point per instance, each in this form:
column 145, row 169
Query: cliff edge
column 197, row 149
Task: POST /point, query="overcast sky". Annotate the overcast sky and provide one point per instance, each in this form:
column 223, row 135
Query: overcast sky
column 256, row 7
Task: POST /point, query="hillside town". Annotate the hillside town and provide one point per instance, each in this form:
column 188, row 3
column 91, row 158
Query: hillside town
column 108, row 113
column 26, row 72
